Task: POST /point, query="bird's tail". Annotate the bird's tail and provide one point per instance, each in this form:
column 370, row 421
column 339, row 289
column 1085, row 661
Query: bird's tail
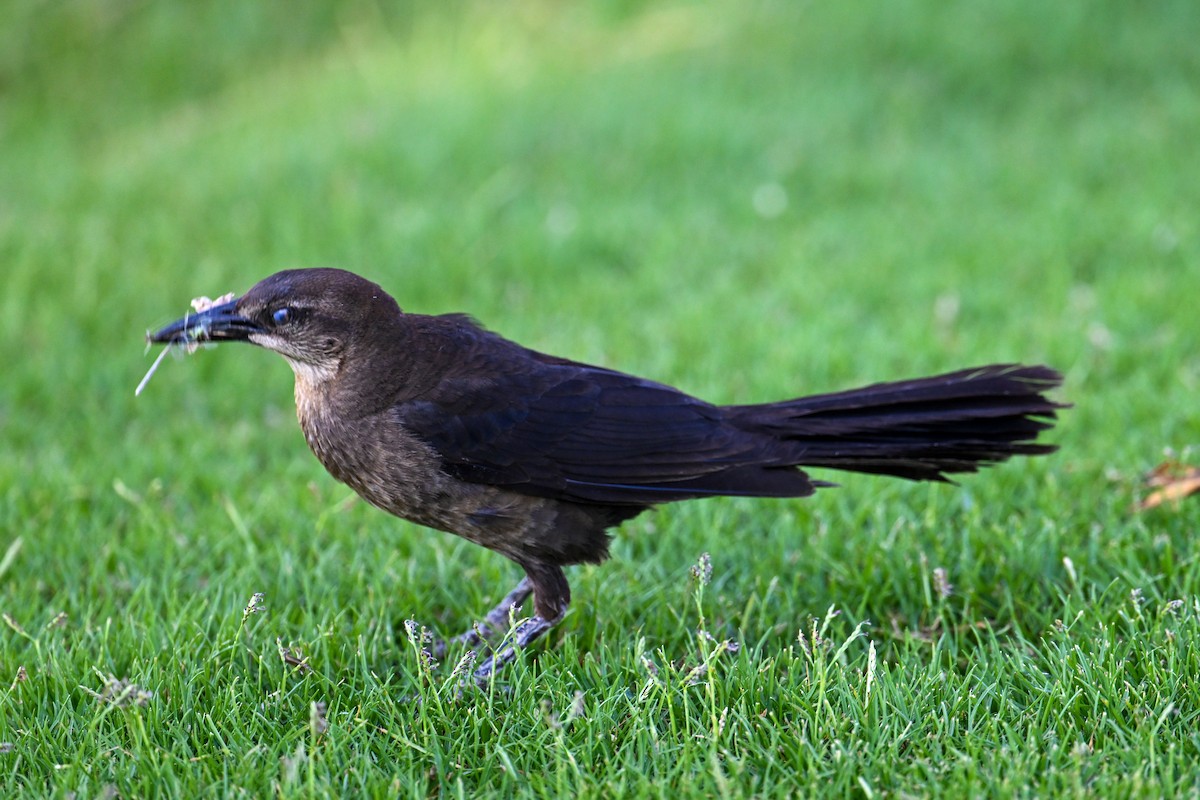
column 920, row 429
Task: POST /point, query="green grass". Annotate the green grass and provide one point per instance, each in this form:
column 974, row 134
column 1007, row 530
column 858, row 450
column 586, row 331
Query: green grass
column 964, row 183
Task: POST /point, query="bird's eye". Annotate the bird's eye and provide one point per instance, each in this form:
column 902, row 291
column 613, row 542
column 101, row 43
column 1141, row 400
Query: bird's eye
column 282, row 316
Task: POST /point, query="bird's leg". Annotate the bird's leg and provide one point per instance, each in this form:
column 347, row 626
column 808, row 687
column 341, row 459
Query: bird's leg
column 551, row 596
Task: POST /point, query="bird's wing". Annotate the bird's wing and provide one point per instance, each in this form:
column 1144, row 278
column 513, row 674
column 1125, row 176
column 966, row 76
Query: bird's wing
column 550, row 427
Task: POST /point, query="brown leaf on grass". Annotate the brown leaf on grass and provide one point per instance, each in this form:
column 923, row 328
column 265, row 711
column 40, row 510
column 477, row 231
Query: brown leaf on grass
column 1171, row 482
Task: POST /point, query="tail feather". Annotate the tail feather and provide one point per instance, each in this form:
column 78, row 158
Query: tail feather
column 919, row 429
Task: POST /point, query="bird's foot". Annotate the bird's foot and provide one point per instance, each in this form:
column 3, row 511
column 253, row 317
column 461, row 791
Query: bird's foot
column 494, row 623
column 525, row 634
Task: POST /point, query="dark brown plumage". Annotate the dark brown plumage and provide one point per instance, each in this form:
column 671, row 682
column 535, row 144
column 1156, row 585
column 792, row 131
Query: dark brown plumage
column 436, row 420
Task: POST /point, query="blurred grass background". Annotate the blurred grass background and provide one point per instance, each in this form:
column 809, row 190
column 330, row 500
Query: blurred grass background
column 749, row 200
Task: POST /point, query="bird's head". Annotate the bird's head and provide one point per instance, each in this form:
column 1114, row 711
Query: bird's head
column 311, row 317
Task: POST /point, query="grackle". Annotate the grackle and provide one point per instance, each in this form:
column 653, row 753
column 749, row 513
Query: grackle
column 438, row 421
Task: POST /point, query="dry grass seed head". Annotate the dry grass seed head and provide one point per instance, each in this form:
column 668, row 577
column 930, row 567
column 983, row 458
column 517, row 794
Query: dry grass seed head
column 121, row 693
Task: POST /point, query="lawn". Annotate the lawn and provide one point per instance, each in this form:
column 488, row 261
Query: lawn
column 749, row 200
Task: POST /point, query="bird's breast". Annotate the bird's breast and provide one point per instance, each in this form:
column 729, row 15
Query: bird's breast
column 378, row 458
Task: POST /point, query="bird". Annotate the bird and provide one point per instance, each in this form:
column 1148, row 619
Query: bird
column 437, row 420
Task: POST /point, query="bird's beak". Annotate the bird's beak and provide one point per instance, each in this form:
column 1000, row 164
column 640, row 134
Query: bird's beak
column 214, row 324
